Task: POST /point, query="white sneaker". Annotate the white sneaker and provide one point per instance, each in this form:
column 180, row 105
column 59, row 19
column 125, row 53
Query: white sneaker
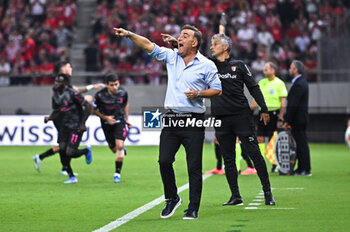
column 116, row 178
column 37, row 162
column 65, row 173
column 71, row 180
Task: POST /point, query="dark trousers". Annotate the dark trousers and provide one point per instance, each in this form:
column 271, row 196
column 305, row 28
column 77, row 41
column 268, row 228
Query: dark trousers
column 303, row 151
column 170, row 141
column 267, row 131
column 218, row 156
column 245, row 156
column 241, row 125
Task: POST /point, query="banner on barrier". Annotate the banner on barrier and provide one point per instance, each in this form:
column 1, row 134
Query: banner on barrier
column 31, row 130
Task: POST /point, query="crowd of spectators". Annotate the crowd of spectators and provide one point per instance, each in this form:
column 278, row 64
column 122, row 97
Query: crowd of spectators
column 261, row 30
column 34, row 34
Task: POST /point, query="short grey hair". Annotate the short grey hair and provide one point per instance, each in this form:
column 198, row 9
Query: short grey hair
column 299, row 66
column 224, row 40
column 272, row 65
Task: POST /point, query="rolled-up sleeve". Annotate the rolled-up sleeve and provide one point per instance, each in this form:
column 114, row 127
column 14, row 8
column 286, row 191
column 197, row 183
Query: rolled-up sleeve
column 212, row 78
column 162, row 53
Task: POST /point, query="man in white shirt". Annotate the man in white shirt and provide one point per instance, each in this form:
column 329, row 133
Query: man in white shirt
column 265, row 37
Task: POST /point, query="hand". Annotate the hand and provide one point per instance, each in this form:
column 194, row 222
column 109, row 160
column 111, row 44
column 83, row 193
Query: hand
column 46, row 119
column 216, row 141
column 128, row 124
column 191, row 93
column 110, row 119
column 265, row 117
column 279, row 124
column 99, row 85
column 120, row 32
column 169, row 39
column 286, row 126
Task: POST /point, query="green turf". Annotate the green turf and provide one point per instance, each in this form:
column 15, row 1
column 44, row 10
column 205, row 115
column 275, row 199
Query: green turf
column 30, row 201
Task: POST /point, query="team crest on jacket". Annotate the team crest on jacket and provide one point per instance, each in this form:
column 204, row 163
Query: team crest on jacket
column 233, row 68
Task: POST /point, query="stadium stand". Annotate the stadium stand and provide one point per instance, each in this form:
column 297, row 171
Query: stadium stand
column 277, row 30
column 34, row 34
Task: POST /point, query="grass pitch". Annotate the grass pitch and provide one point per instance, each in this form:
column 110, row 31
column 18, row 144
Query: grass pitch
column 31, row 201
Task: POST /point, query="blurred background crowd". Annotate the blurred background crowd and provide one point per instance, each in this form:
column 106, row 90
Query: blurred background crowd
column 34, row 34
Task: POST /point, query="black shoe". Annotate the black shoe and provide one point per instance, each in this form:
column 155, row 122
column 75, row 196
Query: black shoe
column 190, row 214
column 303, row 173
column 274, row 169
column 234, row 201
column 269, row 198
column 170, row 207
column 297, row 172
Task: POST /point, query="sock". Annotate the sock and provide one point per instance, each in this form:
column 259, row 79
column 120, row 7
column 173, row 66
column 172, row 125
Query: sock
column 46, row 154
column 218, row 156
column 69, row 168
column 118, row 166
column 66, row 163
column 274, row 166
column 80, row 152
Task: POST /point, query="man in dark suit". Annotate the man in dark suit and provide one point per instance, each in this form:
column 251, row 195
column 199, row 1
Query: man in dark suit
column 297, row 116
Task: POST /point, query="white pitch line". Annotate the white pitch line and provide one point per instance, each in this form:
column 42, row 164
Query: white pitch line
column 279, row 208
column 127, row 217
column 259, row 198
column 290, row 189
column 296, row 188
column 272, row 208
column 254, row 204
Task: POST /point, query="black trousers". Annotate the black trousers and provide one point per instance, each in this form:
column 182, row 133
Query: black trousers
column 241, row 125
column 192, row 139
column 303, row 151
column 267, row 131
